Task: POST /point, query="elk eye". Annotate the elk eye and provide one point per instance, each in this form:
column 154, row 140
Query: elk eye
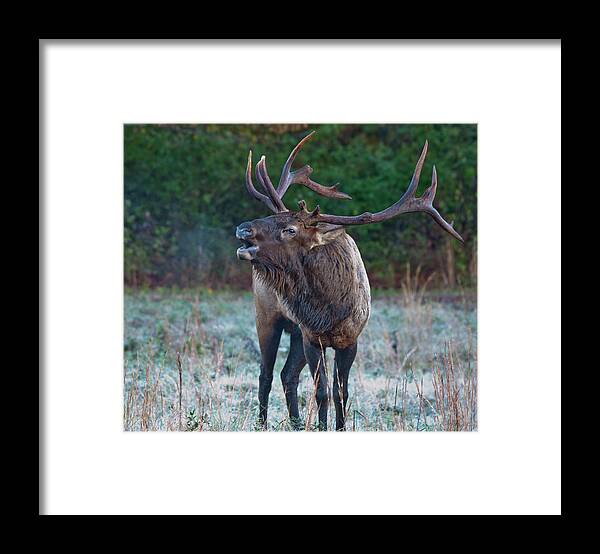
column 290, row 231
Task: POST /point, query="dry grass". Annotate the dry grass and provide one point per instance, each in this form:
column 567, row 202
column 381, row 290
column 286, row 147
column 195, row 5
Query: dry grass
column 455, row 392
column 192, row 359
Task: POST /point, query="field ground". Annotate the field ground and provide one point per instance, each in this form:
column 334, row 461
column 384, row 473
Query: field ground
column 192, row 363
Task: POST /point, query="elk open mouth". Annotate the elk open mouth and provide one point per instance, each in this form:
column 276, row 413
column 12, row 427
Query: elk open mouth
column 247, row 251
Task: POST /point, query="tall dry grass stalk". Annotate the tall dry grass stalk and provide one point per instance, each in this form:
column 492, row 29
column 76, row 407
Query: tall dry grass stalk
column 414, row 287
column 180, row 389
column 417, row 310
column 455, row 390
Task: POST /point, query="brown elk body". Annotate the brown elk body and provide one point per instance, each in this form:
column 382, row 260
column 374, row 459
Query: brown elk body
column 310, row 281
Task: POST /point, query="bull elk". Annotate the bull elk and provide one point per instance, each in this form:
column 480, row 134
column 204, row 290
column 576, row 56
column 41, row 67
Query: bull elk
column 309, row 280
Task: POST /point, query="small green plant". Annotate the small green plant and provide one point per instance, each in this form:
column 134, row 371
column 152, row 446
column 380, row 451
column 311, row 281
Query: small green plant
column 191, row 421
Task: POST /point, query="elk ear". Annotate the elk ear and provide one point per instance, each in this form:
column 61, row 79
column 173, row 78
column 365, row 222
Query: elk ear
column 327, row 232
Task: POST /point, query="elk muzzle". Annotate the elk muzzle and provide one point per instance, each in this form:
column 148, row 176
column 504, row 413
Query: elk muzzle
column 245, row 233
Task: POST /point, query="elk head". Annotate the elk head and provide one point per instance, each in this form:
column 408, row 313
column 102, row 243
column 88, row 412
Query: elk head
column 277, row 240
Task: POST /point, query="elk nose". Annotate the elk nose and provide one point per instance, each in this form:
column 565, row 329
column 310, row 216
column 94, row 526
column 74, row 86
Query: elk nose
column 244, row 231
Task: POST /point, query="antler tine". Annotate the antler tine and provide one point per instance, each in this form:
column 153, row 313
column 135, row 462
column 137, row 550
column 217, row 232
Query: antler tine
column 302, row 176
column 414, row 182
column 265, row 181
column 252, row 190
column 431, row 190
column 286, row 173
column 429, row 195
column 407, row 203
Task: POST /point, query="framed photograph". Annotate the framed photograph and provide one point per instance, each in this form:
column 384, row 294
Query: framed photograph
column 211, row 315
column 249, row 275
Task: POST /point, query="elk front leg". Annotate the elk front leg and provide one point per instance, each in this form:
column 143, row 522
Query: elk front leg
column 269, row 335
column 290, row 375
column 315, row 355
column 343, row 362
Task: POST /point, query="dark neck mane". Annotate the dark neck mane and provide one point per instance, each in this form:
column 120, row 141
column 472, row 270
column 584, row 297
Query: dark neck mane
column 320, row 289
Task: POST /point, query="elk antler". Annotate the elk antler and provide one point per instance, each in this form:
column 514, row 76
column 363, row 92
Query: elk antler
column 252, row 190
column 273, row 198
column 301, row 176
column 407, row 203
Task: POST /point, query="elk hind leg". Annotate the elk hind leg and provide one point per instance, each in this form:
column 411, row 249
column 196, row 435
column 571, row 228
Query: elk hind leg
column 344, row 359
column 315, row 355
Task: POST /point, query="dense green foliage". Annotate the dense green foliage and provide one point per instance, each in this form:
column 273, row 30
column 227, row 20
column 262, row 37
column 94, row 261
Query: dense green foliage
column 184, row 196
